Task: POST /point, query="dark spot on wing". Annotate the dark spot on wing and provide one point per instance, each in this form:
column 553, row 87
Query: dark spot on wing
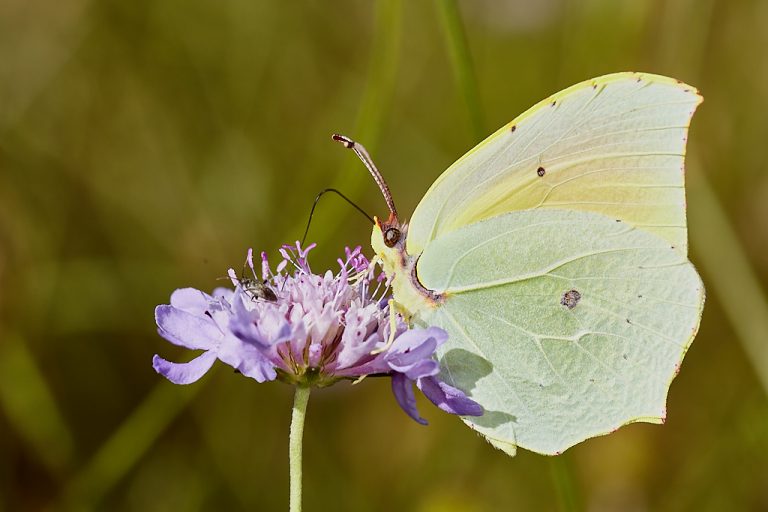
column 618, row 220
column 594, row 86
column 570, row 299
column 512, row 130
column 554, row 103
column 541, row 171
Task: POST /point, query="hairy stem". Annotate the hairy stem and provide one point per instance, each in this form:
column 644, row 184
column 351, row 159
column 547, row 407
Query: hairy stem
column 294, row 445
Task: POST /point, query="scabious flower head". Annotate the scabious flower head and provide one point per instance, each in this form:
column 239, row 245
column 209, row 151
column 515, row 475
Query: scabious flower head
column 307, row 329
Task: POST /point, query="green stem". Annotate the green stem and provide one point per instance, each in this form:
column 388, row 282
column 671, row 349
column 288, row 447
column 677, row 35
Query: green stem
column 562, row 479
column 461, row 61
column 294, row 445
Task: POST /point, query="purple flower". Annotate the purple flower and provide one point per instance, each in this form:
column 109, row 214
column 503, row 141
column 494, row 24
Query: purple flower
column 307, row 329
column 197, row 320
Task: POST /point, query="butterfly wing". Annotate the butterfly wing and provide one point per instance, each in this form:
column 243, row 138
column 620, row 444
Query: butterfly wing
column 564, row 325
column 613, row 145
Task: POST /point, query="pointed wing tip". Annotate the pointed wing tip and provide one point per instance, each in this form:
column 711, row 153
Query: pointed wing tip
column 641, row 76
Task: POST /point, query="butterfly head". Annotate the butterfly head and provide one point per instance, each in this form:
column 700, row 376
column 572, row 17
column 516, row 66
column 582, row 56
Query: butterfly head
column 388, row 240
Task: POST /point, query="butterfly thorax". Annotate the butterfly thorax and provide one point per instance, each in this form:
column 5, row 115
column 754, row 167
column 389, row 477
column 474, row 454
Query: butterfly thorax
column 400, row 269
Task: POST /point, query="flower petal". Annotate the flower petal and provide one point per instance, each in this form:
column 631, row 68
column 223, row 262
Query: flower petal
column 190, row 300
column 412, row 352
column 419, row 369
column 360, row 336
column 184, row 373
column 415, row 345
column 185, row 329
column 265, row 326
column 448, row 398
column 222, row 293
column 247, row 358
column 356, row 360
column 402, row 387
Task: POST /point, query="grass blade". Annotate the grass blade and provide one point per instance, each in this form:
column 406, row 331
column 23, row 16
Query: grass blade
column 128, row 444
column 461, row 60
column 30, row 406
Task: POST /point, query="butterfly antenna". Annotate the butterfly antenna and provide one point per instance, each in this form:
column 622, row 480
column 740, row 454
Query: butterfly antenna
column 363, row 155
column 317, row 199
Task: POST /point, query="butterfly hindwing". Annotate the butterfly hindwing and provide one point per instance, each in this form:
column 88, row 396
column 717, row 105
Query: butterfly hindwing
column 564, row 325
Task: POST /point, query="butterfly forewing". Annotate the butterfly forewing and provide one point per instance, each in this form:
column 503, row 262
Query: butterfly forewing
column 613, row 145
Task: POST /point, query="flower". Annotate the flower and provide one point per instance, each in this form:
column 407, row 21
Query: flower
column 197, row 320
column 307, row 329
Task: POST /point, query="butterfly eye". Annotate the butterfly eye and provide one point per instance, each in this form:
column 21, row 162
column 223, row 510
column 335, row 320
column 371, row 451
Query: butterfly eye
column 391, row 237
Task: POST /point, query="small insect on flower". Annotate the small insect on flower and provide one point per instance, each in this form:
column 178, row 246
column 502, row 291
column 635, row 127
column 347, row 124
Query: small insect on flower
column 308, row 329
column 257, row 289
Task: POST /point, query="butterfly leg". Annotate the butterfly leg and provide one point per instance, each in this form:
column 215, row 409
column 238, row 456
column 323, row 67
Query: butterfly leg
column 362, row 275
column 393, row 307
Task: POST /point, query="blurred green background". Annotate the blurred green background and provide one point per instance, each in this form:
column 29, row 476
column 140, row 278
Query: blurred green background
column 145, row 145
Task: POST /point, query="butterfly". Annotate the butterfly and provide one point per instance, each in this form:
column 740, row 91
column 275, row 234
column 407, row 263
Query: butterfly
column 555, row 256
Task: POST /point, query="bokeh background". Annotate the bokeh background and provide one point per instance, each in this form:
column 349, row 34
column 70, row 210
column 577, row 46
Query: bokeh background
column 145, row 145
